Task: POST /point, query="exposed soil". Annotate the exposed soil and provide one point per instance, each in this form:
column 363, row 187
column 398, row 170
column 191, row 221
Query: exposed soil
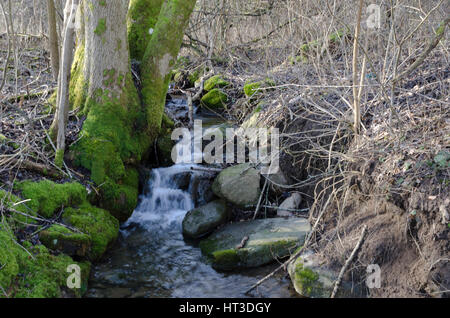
column 399, row 188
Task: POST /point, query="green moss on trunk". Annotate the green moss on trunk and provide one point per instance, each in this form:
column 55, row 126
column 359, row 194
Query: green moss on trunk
column 142, row 16
column 113, row 133
column 161, row 56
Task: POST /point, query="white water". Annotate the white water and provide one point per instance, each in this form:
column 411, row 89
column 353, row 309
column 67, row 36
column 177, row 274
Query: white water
column 165, row 204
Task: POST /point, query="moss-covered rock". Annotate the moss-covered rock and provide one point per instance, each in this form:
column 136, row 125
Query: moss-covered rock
column 268, row 239
column 238, row 184
column 9, row 201
column 60, row 238
column 100, row 225
column 195, row 75
column 216, row 81
column 97, row 227
column 46, row 275
column 9, row 266
column 309, row 278
column 252, row 89
column 204, row 219
column 215, row 99
column 47, row 197
column 36, row 273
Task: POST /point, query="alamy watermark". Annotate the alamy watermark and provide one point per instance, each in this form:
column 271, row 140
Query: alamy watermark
column 373, row 279
column 74, row 279
column 374, row 16
column 259, row 146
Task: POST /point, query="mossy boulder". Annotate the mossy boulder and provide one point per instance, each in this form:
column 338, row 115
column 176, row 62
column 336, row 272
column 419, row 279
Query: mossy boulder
column 309, row 278
column 252, row 89
column 101, row 227
column 216, row 81
column 215, row 99
column 47, row 197
column 46, row 275
column 64, row 240
column 34, row 272
column 204, row 219
column 268, row 239
column 10, row 201
column 238, row 184
column 8, row 262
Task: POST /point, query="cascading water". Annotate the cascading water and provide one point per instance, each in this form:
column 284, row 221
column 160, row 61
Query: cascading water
column 152, row 259
column 166, row 203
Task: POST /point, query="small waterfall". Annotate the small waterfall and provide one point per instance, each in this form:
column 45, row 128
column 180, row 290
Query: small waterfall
column 165, row 203
column 151, row 257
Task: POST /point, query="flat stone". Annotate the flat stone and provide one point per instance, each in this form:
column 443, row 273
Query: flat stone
column 264, row 241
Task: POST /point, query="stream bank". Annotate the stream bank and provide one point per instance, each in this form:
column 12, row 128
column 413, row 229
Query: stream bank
column 152, row 258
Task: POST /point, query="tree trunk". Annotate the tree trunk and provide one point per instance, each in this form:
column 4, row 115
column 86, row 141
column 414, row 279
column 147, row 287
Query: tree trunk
column 64, row 80
column 160, row 57
column 103, row 90
column 53, row 39
column 142, row 18
column 116, row 132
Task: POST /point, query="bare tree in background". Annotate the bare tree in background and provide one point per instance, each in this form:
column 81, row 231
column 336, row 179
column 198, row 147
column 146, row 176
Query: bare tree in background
column 64, row 77
column 53, row 38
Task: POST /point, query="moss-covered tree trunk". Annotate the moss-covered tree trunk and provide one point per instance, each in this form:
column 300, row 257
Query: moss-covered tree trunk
column 113, row 134
column 160, row 57
column 142, row 18
column 120, row 126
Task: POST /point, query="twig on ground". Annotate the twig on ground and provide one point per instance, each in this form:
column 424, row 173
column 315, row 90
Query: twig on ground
column 349, row 261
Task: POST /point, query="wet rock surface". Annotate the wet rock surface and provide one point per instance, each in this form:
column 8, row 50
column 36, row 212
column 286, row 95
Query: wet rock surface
column 204, row 219
column 238, row 184
column 254, row 243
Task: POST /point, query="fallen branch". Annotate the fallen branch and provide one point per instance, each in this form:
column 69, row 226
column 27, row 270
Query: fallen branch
column 36, row 167
column 259, row 201
column 349, row 261
column 274, row 207
column 74, row 229
column 212, row 170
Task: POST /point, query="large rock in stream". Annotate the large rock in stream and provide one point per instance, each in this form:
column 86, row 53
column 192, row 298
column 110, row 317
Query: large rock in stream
column 204, row 219
column 238, row 184
column 254, row 243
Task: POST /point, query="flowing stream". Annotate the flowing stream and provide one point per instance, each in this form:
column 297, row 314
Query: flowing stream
column 152, row 259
